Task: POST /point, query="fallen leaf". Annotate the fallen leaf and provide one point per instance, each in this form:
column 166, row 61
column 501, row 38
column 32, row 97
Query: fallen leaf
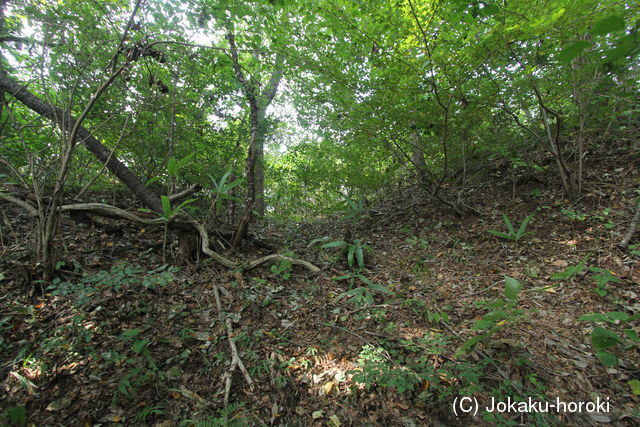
column 58, row 404
column 327, row 387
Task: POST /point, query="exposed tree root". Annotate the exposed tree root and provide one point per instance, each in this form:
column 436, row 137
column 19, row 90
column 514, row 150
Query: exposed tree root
column 24, row 205
column 114, row 212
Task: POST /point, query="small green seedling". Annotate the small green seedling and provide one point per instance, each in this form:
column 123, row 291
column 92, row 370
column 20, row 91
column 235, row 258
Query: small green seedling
column 513, row 234
column 355, row 251
column 604, row 341
column 504, row 312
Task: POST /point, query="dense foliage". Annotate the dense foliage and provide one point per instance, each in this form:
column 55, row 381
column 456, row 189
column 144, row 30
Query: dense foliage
column 374, row 94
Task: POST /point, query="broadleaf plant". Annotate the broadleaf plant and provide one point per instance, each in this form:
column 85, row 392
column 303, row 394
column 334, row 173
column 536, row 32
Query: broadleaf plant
column 512, row 233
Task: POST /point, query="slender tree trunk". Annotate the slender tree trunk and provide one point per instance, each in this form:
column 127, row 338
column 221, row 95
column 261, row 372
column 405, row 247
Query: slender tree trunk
column 581, row 97
column 259, row 164
column 243, row 224
column 172, row 129
column 417, row 156
column 258, row 103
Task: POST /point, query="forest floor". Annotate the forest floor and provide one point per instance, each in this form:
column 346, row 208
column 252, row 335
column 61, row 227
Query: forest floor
column 121, row 339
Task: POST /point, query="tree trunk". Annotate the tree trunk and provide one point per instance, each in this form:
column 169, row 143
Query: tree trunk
column 258, row 103
column 417, row 156
column 259, row 165
column 102, row 153
column 247, row 216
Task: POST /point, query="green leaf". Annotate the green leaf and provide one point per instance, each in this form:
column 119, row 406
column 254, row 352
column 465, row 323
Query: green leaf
column 172, row 166
column 183, row 162
column 483, row 324
column 507, row 222
column 230, row 186
column 359, row 256
column 569, row 272
column 624, row 46
column 607, row 25
column 183, row 204
column 368, row 297
column 365, row 279
column 635, row 387
column 572, row 51
column 166, row 207
column 470, row 344
column 496, row 315
column 523, row 226
column 607, row 359
column 138, row 346
column 28, row 385
column 512, row 288
column 354, row 292
column 632, row 335
column 595, row 317
column 130, row 332
column 618, row 315
column 17, row 415
column 352, row 250
column 333, row 244
column 603, row 339
column 379, row 287
column 152, row 180
column 501, row 234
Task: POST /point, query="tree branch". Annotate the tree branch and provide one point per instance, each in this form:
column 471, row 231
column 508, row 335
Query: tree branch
column 28, row 40
column 272, row 86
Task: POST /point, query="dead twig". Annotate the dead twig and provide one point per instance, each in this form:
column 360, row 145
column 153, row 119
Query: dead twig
column 485, row 289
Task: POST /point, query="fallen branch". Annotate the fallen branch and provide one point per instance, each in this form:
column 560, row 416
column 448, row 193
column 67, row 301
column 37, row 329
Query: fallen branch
column 631, row 229
column 236, row 362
